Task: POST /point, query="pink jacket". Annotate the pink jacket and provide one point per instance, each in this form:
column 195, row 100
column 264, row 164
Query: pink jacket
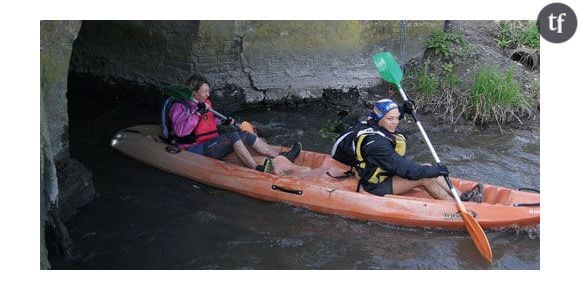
column 184, row 123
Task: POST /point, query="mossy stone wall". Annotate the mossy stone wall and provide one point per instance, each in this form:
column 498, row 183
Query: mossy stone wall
column 267, row 59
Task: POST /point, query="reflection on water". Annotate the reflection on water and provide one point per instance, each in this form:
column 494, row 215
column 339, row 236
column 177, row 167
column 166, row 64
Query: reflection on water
column 149, row 219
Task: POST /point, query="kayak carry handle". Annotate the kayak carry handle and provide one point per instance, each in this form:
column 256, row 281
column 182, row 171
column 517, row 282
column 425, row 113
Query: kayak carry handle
column 288, row 190
column 529, row 189
column 526, row 204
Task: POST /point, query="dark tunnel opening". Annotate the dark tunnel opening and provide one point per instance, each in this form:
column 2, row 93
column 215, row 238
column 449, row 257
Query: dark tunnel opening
column 99, row 106
column 525, row 58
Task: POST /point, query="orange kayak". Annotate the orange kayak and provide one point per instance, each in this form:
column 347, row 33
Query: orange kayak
column 501, row 207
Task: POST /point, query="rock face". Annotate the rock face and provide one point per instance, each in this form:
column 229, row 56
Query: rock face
column 55, row 51
column 264, row 59
column 56, row 39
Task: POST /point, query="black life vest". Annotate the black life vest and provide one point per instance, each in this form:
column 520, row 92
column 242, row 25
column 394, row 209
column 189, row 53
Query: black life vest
column 347, row 149
column 344, row 148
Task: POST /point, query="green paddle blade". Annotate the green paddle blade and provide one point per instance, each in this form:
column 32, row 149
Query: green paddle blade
column 388, row 68
column 178, row 91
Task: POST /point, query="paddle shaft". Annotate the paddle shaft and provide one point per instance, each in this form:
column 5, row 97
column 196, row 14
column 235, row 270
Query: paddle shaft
column 432, row 149
column 220, row 115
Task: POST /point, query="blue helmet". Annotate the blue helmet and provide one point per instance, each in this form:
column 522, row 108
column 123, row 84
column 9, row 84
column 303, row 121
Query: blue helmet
column 382, row 107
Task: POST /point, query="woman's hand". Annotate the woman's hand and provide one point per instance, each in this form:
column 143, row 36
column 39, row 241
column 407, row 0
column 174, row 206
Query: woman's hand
column 203, row 107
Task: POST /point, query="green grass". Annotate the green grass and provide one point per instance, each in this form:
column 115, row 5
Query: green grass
column 426, row 83
column 496, row 96
column 513, row 34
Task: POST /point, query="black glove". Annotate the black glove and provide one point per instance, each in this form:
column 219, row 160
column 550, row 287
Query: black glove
column 442, row 170
column 407, row 108
column 201, row 108
column 228, row 121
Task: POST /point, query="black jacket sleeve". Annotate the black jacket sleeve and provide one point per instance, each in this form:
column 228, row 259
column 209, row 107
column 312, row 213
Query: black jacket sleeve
column 378, row 151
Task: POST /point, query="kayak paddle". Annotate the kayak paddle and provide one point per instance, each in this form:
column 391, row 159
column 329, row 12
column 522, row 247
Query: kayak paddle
column 184, row 92
column 391, row 72
column 244, row 126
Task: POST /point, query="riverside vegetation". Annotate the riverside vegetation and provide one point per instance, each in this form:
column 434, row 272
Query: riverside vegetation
column 489, row 93
column 466, row 76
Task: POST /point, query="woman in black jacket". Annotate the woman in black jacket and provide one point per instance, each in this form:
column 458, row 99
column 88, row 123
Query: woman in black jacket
column 379, row 156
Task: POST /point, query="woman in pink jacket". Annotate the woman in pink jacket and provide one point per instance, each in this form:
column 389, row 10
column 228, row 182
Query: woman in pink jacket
column 195, row 129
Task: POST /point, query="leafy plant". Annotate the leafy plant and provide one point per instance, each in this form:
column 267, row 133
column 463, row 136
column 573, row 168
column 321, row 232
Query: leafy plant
column 445, row 44
column 503, row 42
column 531, row 36
column 448, row 67
column 331, row 130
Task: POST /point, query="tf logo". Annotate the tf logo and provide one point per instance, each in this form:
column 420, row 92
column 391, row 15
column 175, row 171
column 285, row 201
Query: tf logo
column 557, row 22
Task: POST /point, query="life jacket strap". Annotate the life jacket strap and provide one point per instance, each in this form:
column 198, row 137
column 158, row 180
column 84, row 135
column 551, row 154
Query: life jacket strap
column 346, row 174
column 191, row 138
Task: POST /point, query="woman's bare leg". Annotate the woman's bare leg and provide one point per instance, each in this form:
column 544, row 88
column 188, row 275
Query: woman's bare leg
column 402, row 185
column 263, row 148
column 244, row 155
column 283, row 166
